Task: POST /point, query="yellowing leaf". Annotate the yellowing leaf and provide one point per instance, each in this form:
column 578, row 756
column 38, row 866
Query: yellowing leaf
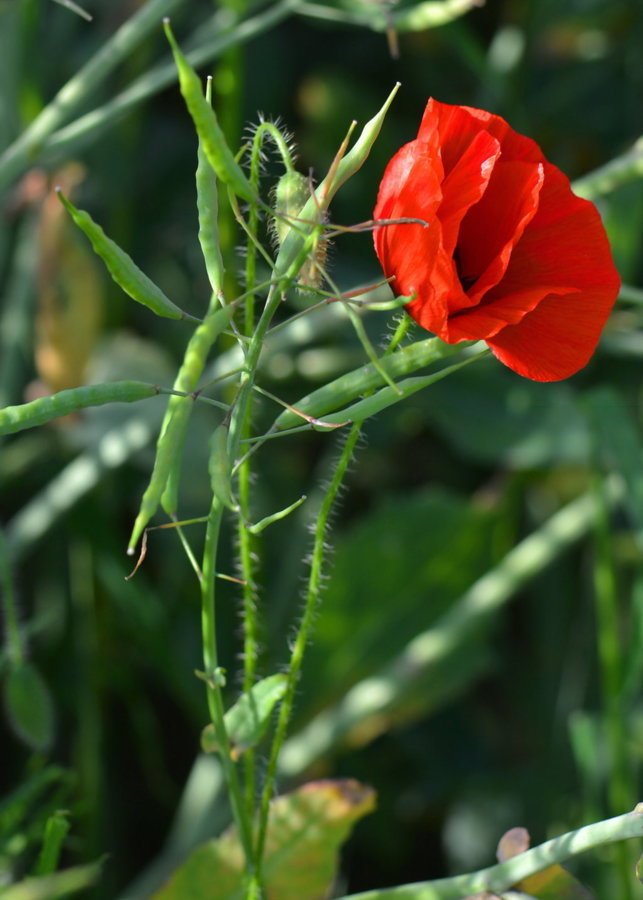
column 306, row 829
column 554, row 883
column 70, row 295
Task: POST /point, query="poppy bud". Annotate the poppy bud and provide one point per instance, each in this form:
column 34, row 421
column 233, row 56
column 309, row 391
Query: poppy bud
column 291, row 193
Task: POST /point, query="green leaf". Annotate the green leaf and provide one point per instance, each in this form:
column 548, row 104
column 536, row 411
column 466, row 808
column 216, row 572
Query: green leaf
column 305, row 831
column 619, row 445
column 28, row 706
column 430, row 547
column 488, row 414
column 247, row 721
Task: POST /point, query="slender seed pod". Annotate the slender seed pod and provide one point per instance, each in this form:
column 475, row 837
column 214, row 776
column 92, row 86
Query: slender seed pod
column 346, row 388
column 163, row 484
column 387, row 396
column 122, row 267
column 186, row 381
column 165, row 453
column 37, row 412
column 214, row 143
column 207, row 202
column 219, row 467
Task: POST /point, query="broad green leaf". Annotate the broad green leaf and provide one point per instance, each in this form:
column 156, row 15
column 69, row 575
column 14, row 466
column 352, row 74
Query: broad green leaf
column 306, row 829
column 28, row 706
column 488, row 414
column 429, row 547
column 247, row 721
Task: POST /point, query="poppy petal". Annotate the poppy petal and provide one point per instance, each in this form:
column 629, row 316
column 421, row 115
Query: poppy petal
column 510, row 255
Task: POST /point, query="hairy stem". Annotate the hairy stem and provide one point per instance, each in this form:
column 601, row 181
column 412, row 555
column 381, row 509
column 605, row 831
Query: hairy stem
column 303, row 633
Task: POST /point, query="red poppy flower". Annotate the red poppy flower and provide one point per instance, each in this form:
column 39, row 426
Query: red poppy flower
column 509, row 254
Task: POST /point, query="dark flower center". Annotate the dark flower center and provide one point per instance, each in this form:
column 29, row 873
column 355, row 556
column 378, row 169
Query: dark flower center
column 467, row 281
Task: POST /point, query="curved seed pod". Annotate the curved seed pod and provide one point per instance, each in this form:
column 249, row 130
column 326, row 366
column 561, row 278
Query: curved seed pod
column 122, row 267
column 214, row 143
column 219, row 467
column 37, row 412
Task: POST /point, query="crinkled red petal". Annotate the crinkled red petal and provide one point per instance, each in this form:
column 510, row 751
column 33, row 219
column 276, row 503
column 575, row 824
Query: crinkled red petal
column 564, row 244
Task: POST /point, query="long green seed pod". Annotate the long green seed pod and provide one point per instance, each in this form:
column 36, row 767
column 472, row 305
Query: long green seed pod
column 175, row 423
column 348, row 387
column 186, row 382
column 37, row 412
column 214, row 143
column 122, row 267
column 166, row 448
column 207, row 202
column 219, row 467
column 387, row 396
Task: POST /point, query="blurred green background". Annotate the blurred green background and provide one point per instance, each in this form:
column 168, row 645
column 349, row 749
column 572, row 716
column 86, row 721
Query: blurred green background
column 535, row 718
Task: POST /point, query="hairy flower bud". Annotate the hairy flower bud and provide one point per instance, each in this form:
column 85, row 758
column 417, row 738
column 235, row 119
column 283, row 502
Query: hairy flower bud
column 291, row 193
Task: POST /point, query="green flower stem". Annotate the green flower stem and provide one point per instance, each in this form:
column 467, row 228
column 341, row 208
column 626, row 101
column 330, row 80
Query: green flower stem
column 370, row 698
column 610, row 654
column 245, row 538
column 501, row 877
column 13, row 638
column 303, row 634
column 210, row 662
column 82, row 86
column 619, row 171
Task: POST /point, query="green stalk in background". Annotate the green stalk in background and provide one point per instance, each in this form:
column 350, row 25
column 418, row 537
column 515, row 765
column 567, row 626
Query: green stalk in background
column 81, row 87
column 619, row 775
